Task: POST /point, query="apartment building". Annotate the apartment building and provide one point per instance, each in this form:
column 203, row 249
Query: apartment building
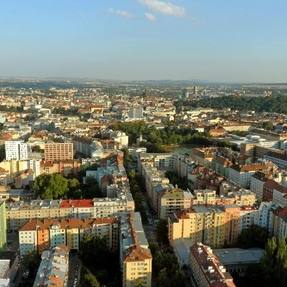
column 19, row 213
column 241, row 174
column 64, row 167
column 206, row 268
column 173, row 200
column 275, row 192
column 278, row 222
column 278, row 157
column 212, row 225
column 203, row 156
column 135, row 256
column 3, row 228
column 257, row 182
column 16, row 150
column 38, row 235
column 54, row 268
column 59, row 151
column 162, row 161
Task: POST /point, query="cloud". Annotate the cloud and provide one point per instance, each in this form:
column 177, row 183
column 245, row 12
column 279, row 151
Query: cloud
column 150, row 17
column 121, row 13
column 164, row 7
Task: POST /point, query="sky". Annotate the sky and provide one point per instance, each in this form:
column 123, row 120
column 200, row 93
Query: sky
column 213, row 40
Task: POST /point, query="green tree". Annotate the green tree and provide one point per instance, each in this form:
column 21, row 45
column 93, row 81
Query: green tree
column 2, row 152
column 268, row 125
column 100, row 260
column 88, row 279
column 254, row 236
column 51, row 186
column 162, row 232
column 272, row 270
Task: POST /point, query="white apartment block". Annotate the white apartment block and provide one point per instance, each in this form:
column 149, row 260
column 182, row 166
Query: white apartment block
column 17, row 150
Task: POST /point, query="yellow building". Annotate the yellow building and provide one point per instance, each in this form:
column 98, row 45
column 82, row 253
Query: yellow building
column 135, row 256
column 172, row 200
column 137, row 267
column 212, row 225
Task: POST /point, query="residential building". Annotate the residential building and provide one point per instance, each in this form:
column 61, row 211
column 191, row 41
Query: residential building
column 206, row 268
column 20, row 212
column 172, row 200
column 275, row 192
column 16, row 150
column 212, row 225
column 38, row 235
column 3, row 228
column 59, row 151
column 135, row 256
column 54, row 268
column 241, row 174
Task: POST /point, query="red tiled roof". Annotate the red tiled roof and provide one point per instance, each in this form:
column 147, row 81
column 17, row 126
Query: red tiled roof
column 41, row 224
column 76, row 203
column 137, row 253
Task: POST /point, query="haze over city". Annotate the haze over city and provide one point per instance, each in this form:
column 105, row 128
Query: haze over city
column 143, row 143
column 226, row 41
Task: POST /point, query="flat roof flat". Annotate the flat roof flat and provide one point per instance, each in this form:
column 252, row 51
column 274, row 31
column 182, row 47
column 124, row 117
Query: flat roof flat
column 237, row 256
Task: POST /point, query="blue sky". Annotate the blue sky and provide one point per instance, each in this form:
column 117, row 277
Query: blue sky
column 216, row 40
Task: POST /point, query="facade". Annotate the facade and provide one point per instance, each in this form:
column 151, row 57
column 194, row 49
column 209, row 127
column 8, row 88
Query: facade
column 19, row 213
column 241, row 175
column 257, row 184
column 212, row 225
column 135, row 256
column 164, row 197
column 59, row 151
column 38, row 235
column 275, row 192
column 16, row 150
column 173, row 200
column 3, row 228
column 54, row 268
column 65, row 167
column 206, row 268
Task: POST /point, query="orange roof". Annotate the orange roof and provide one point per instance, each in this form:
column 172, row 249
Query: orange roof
column 137, row 253
column 76, row 203
column 38, row 224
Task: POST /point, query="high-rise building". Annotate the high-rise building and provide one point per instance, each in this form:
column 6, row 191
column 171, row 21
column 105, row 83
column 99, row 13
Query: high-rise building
column 59, row 151
column 17, row 150
column 3, row 229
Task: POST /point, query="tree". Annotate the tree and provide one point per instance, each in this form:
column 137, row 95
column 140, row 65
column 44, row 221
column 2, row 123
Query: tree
column 268, row 125
column 30, row 264
column 88, row 279
column 2, row 152
column 254, row 236
column 54, row 186
column 162, row 232
column 272, row 270
column 99, row 259
column 36, row 148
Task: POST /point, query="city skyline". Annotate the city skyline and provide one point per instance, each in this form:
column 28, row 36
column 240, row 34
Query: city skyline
column 144, row 40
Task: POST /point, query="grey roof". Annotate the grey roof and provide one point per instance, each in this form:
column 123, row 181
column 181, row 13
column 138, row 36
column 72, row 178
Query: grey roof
column 237, row 256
